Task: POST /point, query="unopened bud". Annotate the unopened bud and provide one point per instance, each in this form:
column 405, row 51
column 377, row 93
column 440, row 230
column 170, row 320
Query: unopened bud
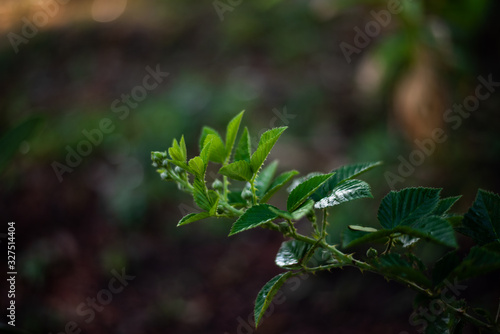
column 217, row 185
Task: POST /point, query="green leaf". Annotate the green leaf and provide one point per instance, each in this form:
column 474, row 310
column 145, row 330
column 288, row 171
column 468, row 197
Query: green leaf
column 362, row 228
column 277, row 184
column 407, row 206
column 200, row 194
column 291, row 253
column 300, row 193
column 264, row 179
column 214, row 201
column 205, row 152
column 303, row 210
column 297, row 214
column 205, row 132
column 182, row 146
column 482, row 221
column 395, row 264
column 266, row 143
column 352, row 237
column 266, row 295
column 243, row 149
column 345, row 192
column 253, row 217
column 192, row 217
column 431, row 228
column 342, row 174
column 176, row 151
column 217, row 149
column 231, row 132
column 197, row 166
column 10, row 141
column 444, row 205
column 480, row 261
column 239, row 170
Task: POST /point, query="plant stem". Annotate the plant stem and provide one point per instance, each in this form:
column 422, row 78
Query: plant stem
column 232, row 209
column 226, row 191
column 252, row 187
column 325, row 223
column 184, row 183
column 348, row 260
column 468, row 317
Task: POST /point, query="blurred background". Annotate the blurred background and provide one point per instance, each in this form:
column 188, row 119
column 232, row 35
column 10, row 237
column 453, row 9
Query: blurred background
column 89, row 88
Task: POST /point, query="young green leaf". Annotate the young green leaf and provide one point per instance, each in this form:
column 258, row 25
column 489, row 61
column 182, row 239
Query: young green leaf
column 200, row 194
column 264, row 179
column 266, row 143
column 239, row 170
column 175, row 151
column 291, row 253
column 300, row 193
column 205, row 132
column 243, row 149
column 407, row 206
column 345, row 192
column 277, row 184
column 217, row 149
column 342, row 174
column 266, row 295
column 231, row 132
column 253, row 217
column 182, row 147
column 482, row 221
column 197, row 166
column 192, row 217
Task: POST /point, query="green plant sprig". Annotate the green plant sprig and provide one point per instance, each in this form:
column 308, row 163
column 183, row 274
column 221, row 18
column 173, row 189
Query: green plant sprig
column 406, row 217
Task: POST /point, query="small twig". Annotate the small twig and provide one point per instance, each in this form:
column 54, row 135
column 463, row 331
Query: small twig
column 324, row 224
